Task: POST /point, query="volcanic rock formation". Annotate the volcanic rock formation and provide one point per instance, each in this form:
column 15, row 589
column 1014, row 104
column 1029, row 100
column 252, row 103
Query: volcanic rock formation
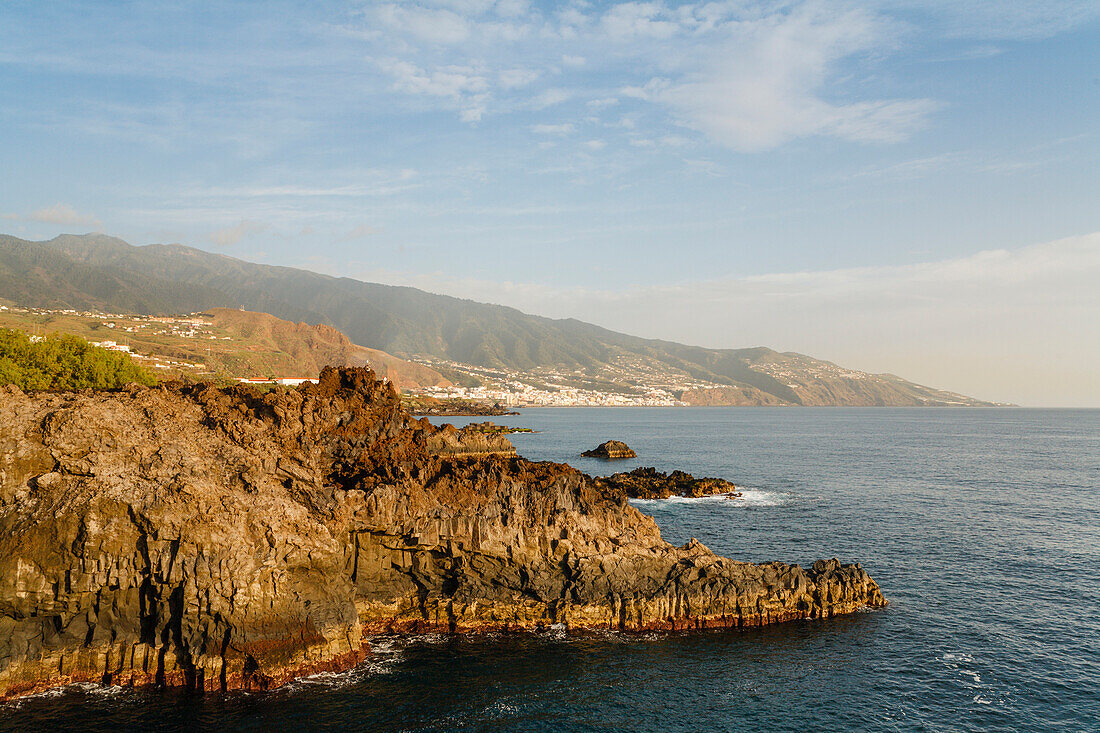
column 611, row 449
column 649, row 483
column 218, row 538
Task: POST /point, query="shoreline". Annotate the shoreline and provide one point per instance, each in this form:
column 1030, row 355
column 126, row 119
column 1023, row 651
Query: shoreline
column 223, row 537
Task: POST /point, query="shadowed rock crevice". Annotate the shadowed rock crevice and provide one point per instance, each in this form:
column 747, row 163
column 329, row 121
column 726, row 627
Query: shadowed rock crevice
column 219, row 538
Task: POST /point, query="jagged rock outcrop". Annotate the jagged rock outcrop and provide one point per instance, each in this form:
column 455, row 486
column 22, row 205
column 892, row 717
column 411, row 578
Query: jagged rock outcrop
column 219, row 538
column 611, row 449
column 649, row 483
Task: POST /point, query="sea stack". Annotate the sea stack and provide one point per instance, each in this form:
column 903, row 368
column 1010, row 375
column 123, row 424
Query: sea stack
column 213, row 538
column 611, row 449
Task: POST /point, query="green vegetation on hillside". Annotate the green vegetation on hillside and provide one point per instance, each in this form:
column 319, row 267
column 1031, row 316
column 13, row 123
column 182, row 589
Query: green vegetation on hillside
column 64, row 362
column 222, row 344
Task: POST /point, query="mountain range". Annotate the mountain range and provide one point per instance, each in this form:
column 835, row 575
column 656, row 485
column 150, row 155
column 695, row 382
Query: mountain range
column 95, row 271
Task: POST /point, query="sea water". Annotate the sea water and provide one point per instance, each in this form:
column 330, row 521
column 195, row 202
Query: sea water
column 982, row 527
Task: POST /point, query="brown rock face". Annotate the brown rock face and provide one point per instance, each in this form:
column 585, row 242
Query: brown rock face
column 730, row 397
column 649, row 483
column 219, row 538
column 611, row 449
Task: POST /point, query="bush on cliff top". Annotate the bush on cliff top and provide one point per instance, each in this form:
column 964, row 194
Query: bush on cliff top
column 64, row 362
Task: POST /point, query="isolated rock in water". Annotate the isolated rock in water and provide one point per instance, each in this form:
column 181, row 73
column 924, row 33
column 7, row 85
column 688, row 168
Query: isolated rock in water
column 611, row 449
column 649, row 483
column 490, row 428
column 218, row 537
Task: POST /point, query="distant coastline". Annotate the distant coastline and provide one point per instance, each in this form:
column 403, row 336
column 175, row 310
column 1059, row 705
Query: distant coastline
column 434, row 345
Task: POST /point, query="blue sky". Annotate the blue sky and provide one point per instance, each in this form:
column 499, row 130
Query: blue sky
column 725, row 173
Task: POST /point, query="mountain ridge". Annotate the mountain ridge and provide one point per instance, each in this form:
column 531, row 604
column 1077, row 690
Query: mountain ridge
column 101, row 271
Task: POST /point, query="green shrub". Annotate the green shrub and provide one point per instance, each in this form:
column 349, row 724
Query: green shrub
column 64, row 362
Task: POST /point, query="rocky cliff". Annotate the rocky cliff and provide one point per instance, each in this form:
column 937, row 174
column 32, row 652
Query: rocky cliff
column 218, row 538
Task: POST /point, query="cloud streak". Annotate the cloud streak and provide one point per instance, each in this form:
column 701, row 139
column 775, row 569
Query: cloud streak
column 59, row 213
column 229, row 236
column 747, row 76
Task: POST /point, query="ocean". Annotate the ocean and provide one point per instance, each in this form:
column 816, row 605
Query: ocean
column 982, row 527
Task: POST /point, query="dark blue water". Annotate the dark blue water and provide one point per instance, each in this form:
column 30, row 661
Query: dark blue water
column 981, row 526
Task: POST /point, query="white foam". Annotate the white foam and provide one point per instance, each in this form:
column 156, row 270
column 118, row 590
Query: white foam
column 385, row 654
column 759, row 497
column 88, row 688
column 332, row 680
column 970, row 679
column 750, row 497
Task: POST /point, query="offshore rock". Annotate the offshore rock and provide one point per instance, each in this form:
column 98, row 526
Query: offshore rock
column 216, row 538
column 611, row 449
column 649, row 483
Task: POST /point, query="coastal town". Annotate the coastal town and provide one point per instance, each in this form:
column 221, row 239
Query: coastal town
column 625, row 382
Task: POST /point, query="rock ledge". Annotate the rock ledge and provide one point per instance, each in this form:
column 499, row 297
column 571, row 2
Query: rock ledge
column 649, row 483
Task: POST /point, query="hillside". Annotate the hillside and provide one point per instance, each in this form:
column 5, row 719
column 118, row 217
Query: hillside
column 303, row 349
column 223, row 342
column 462, row 339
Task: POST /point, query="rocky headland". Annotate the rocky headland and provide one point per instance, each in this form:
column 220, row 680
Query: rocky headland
column 216, row 538
column 649, row 483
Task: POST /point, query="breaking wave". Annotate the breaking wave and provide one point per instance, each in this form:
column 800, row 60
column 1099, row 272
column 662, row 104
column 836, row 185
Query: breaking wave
column 750, row 497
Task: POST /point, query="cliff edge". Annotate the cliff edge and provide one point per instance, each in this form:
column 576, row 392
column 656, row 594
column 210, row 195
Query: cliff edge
column 219, row 538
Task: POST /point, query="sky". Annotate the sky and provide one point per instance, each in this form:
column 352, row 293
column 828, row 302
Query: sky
column 909, row 186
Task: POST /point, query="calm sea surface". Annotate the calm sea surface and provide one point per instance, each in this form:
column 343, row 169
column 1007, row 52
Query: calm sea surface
column 981, row 526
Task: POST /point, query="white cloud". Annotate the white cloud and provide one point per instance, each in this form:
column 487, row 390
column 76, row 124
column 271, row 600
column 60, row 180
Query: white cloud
column 565, row 128
column 360, row 232
column 465, row 86
column 426, row 24
column 512, row 8
column 60, row 213
column 648, row 91
column 595, row 144
column 550, row 98
column 706, row 167
column 472, row 113
column 1000, row 20
column 516, row 78
column 765, row 84
column 229, row 236
column 633, row 21
column 747, row 75
column 446, row 81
